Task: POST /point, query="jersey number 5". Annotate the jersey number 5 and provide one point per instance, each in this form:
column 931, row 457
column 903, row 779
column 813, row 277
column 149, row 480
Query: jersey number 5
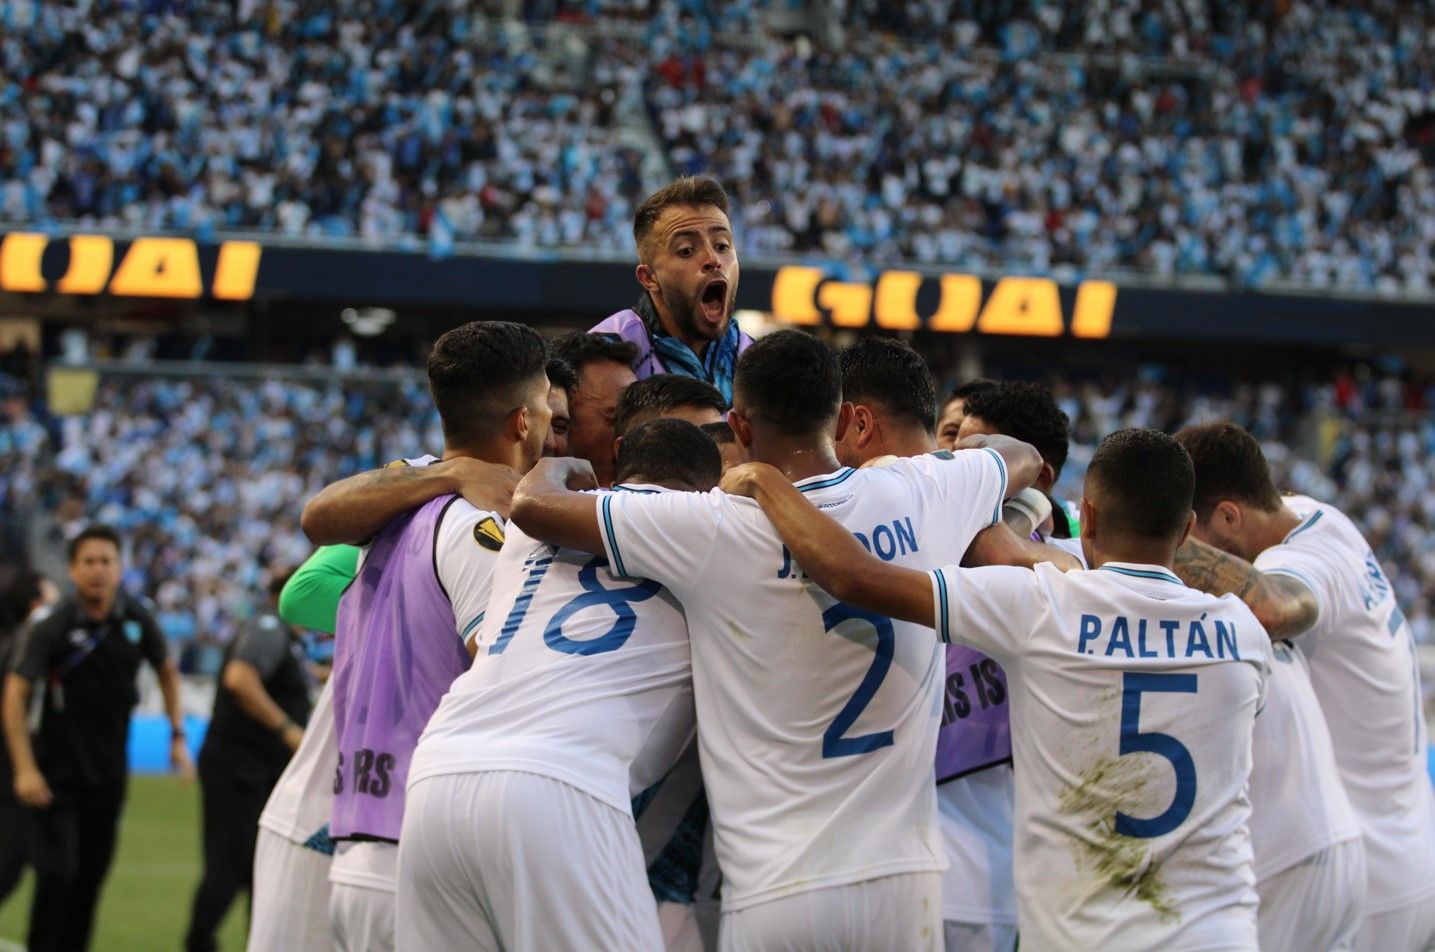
column 833, row 743
column 1162, row 745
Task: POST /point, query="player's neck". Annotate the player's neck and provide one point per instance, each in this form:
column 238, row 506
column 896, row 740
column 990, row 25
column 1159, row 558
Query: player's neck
column 1134, row 552
column 98, row 608
column 798, row 459
column 903, row 442
column 1271, row 528
column 503, row 453
column 695, row 344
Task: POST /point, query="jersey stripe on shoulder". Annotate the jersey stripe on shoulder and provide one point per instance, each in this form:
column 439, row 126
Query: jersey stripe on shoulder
column 605, row 512
column 1314, row 518
column 1001, row 496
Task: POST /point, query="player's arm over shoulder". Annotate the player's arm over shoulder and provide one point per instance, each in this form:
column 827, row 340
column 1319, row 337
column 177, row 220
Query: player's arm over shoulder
column 550, row 506
column 829, row 554
column 1284, row 601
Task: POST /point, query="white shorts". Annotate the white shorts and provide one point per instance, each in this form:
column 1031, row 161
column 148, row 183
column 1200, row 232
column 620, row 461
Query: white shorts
column 518, row 862
column 362, row 878
column 1407, row 929
column 289, row 905
column 1315, row 906
column 901, row 913
column 979, row 937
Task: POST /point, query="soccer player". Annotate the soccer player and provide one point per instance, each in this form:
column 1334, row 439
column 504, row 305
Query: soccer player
column 670, row 396
column 687, row 266
column 421, row 589
column 1027, row 412
column 816, row 721
column 1133, row 700
column 604, row 367
column 290, row 898
column 562, row 385
column 949, row 420
column 519, row 833
column 1315, row 577
column 893, row 414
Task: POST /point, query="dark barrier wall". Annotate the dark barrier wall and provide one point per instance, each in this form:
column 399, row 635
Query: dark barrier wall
column 243, row 271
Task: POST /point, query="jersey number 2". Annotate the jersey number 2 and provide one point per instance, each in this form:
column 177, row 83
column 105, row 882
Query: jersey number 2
column 833, row 743
column 1162, row 745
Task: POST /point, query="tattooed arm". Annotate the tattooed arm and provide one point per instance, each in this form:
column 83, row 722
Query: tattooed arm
column 1283, row 605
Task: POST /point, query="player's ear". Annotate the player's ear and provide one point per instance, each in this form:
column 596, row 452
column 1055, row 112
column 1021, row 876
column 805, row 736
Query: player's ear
column 518, row 424
column 844, row 420
column 1046, row 477
column 646, row 278
column 1228, row 515
column 1186, row 533
column 617, row 446
column 1088, row 519
column 741, row 430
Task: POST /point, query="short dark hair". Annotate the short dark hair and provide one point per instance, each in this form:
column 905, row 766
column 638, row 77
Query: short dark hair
column 561, row 374
column 96, row 531
column 964, row 391
column 720, row 432
column 477, row 372
column 22, row 592
column 1027, row 412
column 579, row 349
column 890, row 373
column 791, row 382
column 687, row 190
column 1229, row 465
column 1145, row 481
column 667, row 450
column 661, row 394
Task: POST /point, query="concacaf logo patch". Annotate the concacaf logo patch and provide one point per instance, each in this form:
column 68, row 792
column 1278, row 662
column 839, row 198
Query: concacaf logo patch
column 488, row 533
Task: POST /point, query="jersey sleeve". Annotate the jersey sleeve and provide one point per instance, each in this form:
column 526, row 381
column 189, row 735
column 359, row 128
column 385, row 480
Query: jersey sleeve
column 34, row 656
column 981, row 607
column 1305, row 565
column 311, row 596
column 152, row 644
column 466, row 548
column 971, row 485
column 263, row 644
column 667, row 537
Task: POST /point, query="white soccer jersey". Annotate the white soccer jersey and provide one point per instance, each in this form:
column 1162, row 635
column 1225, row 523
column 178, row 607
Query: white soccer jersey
column 581, row 676
column 299, row 805
column 1367, row 679
column 1298, row 805
column 1132, row 703
column 816, row 722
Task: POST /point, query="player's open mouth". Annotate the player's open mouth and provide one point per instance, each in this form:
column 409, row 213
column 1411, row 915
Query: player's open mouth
column 714, row 301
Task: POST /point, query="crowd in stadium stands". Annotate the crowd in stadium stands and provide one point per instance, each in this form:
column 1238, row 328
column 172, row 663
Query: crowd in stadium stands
column 206, row 478
column 1188, row 137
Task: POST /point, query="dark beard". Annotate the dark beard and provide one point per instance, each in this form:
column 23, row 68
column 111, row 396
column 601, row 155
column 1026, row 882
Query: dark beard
column 684, row 309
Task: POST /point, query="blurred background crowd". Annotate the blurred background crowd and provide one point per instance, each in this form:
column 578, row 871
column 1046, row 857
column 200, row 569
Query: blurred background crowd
column 1255, row 144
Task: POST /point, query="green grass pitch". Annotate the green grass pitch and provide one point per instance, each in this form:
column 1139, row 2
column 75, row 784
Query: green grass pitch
column 145, row 903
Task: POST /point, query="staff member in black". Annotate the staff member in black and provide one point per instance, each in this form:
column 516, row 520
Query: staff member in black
column 29, row 596
column 86, row 653
column 262, row 701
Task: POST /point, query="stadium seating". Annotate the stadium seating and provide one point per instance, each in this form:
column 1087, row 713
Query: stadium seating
column 1256, row 143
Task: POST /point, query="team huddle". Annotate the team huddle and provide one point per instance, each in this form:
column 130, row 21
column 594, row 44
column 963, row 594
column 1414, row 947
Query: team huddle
column 766, row 651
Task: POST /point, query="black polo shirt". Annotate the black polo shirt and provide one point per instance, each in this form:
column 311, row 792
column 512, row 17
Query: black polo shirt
column 248, row 749
column 89, row 692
